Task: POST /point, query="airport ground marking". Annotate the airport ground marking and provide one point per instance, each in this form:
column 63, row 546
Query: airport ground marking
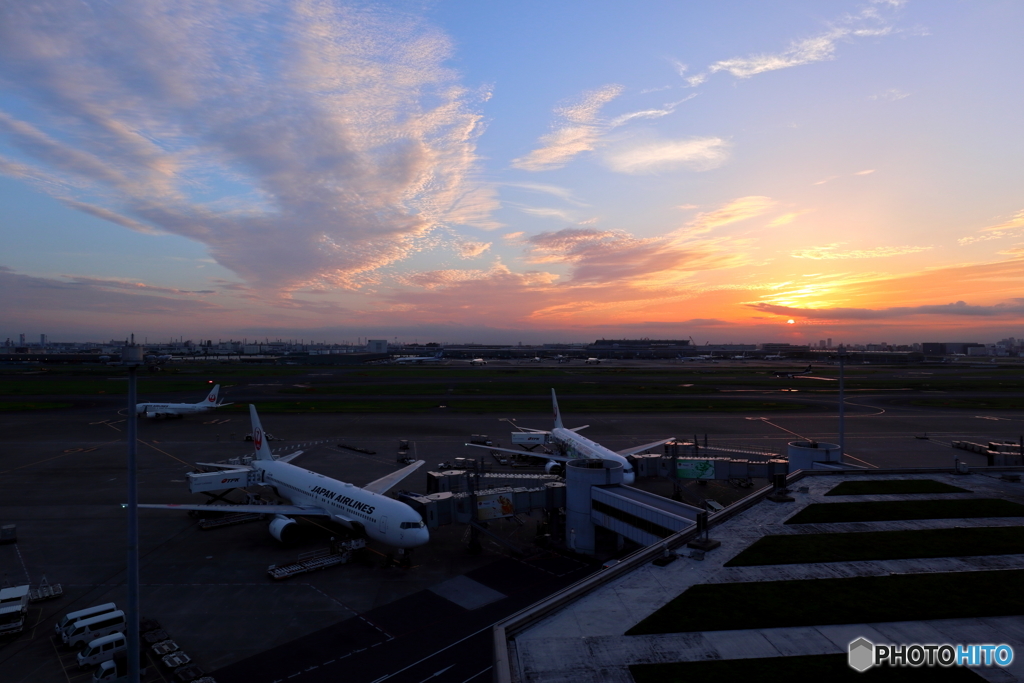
column 62, row 455
column 21, row 559
column 478, row 674
column 437, row 652
column 164, row 452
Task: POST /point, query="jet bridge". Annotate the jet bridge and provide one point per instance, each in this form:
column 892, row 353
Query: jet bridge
column 596, row 496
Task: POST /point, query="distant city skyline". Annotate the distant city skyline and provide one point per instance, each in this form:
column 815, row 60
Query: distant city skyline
column 531, row 171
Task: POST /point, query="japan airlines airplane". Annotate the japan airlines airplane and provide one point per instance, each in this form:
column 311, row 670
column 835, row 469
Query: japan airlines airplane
column 179, row 409
column 366, row 510
column 593, row 361
column 569, row 446
column 478, row 361
column 792, row 374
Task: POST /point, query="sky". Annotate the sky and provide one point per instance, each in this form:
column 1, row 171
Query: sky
column 461, row 171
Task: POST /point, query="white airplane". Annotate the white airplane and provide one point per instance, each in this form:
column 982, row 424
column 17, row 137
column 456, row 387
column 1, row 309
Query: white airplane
column 478, row 361
column 791, row 374
column 570, row 446
column 593, row 361
column 536, row 359
column 180, row 409
column 436, row 358
column 366, row 510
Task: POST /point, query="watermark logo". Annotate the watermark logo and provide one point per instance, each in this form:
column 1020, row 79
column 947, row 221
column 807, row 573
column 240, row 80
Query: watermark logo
column 863, row 654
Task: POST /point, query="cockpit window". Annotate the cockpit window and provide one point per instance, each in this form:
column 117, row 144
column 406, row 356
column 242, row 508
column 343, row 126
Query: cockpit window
column 412, row 525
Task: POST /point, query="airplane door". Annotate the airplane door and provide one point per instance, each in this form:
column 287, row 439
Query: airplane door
column 383, row 525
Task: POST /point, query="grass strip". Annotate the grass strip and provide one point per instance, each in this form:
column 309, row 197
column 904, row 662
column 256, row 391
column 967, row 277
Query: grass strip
column 857, row 600
column 887, row 510
column 881, row 545
column 6, row 406
column 802, row 669
column 887, row 486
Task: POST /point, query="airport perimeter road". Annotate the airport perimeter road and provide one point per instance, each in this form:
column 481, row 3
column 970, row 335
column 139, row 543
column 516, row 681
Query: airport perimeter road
column 441, row 634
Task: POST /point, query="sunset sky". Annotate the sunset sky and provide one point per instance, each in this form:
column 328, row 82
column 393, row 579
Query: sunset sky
column 463, row 171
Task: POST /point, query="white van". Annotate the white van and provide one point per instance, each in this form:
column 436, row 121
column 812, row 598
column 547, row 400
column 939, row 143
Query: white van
column 102, row 649
column 87, row 630
column 114, row 671
column 72, row 617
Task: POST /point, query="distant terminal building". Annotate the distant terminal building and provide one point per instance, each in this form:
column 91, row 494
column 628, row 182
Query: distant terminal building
column 947, row 348
column 778, row 347
column 376, row 345
column 640, row 348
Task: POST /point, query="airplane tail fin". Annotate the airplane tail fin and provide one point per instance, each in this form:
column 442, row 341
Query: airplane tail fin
column 259, row 437
column 211, row 400
column 558, row 414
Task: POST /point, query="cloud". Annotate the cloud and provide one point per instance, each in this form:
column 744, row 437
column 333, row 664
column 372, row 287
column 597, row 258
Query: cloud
column 332, row 140
column 469, row 249
column 786, row 218
column 831, row 252
column 648, row 157
column 737, row 210
column 1014, row 223
column 603, row 257
column 890, row 95
column 869, row 22
column 579, row 131
column 865, row 172
column 1008, row 228
column 960, row 308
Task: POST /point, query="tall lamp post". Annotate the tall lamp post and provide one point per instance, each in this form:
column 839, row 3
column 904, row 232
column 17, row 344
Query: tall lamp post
column 131, row 357
column 842, row 403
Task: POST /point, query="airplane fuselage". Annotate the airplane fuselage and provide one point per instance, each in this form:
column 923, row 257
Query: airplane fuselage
column 574, row 445
column 173, row 408
column 381, row 518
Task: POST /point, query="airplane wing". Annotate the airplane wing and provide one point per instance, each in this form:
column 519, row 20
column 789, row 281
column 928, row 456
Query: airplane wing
column 539, row 431
column 268, row 509
column 222, row 466
column 637, row 449
column 579, row 429
column 514, row 451
column 386, row 482
column 290, row 456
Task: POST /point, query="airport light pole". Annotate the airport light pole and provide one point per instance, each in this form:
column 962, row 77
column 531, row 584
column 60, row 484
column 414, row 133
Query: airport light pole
column 842, row 403
column 132, row 358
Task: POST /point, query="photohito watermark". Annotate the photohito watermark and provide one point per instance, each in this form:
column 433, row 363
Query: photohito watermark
column 864, row 654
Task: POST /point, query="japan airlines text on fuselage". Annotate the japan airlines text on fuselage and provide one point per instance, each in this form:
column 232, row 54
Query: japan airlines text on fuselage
column 380, row 517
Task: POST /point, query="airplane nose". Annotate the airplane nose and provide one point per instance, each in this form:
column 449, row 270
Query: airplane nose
column 628, row 478
column 421, row 537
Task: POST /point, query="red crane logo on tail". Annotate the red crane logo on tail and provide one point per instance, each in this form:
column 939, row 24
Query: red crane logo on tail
column 257, row 438
column 211, row 398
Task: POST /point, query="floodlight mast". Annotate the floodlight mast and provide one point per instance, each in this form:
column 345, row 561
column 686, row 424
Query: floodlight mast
column 842, row 403
column 131, row 357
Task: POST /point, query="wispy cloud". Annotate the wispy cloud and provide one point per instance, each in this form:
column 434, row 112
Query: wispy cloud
column 890, row 95
column 581, row 129
column 960, row 308
column 834, row 252
column 1009, row 228
column 737, row 210
column 578, row 131
column 471, row 249
column 869, row 22
column 347, row 138
column 652, row 156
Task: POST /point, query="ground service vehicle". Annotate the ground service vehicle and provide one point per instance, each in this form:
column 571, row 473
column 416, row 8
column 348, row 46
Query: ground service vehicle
column 102, row 649
column 87, row 630
column 72, row 617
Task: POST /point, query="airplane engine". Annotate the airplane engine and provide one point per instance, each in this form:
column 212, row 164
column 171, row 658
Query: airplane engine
column 553, row 467
column 151, row 415
column 283, row 528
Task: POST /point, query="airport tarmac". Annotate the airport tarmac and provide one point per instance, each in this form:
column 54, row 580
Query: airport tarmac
column 62, row 482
